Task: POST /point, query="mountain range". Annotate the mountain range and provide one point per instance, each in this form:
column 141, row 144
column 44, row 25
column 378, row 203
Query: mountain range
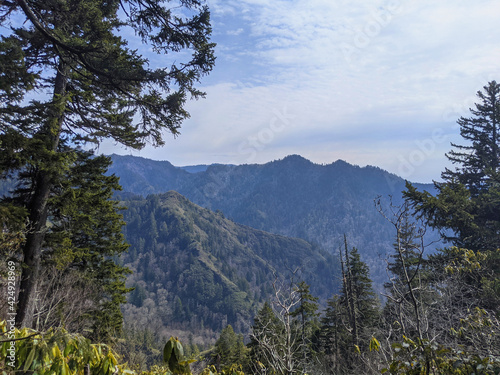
column 291, row 197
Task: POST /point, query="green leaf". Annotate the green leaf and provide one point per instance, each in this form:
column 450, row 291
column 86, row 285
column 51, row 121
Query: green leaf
column 374, row 344
column 67, row 350
column 179, row 351
column 64, row 369
column 29, row 360
column 167, row 350
column 105, row 366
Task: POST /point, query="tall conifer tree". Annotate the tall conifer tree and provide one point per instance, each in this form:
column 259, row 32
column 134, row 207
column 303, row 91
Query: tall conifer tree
column 67, row 77
column 467, row 205
column 466, row 208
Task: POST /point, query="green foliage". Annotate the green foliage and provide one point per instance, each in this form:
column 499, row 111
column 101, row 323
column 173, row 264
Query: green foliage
column 86, row 219
column 92, row 87
column 173, row 356
column 468, row 201
column 464, row 318
column 80, row 246
column 265, row 329
column 350, row 319
column 56, row 352
column 229, row 351
column 308, row 304
column 232, row 370
column 59, row 352
column 479, row 159
column 425, row 357
column 141, row 349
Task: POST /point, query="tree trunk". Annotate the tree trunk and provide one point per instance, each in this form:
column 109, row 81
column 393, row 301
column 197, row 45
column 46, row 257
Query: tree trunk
column 350, row 295
column 37, row 207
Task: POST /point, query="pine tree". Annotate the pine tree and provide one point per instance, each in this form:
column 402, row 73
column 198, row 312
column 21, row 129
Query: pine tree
column 352, row 316
column 81, row 244
column 467, row 203
column 265, row 331
column 406, row 289
column 67, row 78
column 357, row 295
column 229, row 350
column 308, row 306
column 466, row 211
column 366, row 303
column 479, row 160
column 335, row 340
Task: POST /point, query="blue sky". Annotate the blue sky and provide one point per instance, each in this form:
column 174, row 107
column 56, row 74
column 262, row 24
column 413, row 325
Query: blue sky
column 373, row 83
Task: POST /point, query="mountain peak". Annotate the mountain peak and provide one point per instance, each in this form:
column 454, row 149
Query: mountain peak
column 295, row 160
column 296, row 157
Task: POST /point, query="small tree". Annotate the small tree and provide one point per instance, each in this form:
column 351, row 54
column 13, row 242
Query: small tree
column 276, row 336
column 307, row 312
column 229, row 350
column 407, row 289
column 351, row 317
column 357, row 295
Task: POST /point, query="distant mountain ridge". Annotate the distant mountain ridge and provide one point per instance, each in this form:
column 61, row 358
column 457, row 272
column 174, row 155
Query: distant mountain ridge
column 292, row 197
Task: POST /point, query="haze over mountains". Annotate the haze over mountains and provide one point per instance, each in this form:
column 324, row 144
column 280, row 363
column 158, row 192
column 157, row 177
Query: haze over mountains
column 292, row 197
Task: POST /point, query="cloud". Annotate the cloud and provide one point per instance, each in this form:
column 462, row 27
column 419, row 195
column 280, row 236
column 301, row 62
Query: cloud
column 235, row 32
column 361, row 81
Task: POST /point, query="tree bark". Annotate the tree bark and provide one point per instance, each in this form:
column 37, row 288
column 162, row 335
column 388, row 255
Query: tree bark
column 38, row 209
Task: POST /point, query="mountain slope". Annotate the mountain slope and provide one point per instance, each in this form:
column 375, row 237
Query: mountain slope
column 291, row 197
column 143, row 176
column 196, row 271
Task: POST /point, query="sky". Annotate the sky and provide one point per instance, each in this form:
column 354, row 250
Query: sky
column 378, row 82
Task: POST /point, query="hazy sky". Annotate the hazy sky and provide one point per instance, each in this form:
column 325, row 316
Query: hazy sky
column 379, row 83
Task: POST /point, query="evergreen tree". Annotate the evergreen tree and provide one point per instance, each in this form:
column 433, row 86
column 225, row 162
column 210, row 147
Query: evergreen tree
column 407, row 292
column 479, row 160
column 468, row 200
column 89, row 86
column 357, row 295
column 308, row 304
column 467, row 205
column 466, row 211
column 335, row 342
column 81, row 244
column 407, row 253
column 367, row 302
column 89, row 218
column 229, row 350
column 265, row 329
column 307, row 312
column 351, row 318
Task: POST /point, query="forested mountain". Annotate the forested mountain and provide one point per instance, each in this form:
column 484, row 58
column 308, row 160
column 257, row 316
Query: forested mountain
column 292, row 197
column 196, row 271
